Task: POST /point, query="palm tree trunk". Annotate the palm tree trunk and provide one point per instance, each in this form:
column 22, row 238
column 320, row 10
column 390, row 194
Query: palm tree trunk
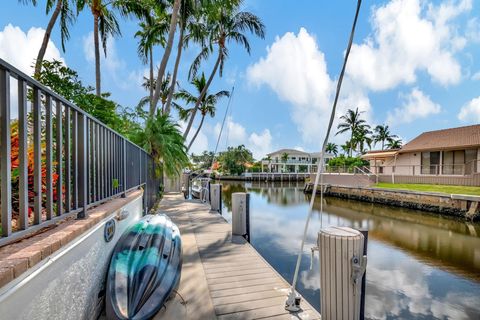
column 196, row 133
column 383, row 141
column 166, row 55
column 97, row 55
column 202, row 94
column 151, row 77
column 46, row 38
column 350, row 147
column 175, row 70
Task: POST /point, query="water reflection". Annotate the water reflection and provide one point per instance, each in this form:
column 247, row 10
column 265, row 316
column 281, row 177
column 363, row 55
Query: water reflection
column 420, row 266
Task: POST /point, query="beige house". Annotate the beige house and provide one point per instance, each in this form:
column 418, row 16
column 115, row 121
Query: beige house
column 450, row 155
column 296, row 161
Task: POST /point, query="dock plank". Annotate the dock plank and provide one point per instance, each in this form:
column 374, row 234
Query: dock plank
column 239, row 283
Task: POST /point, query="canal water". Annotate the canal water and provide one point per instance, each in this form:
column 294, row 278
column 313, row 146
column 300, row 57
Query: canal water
column 420, row 266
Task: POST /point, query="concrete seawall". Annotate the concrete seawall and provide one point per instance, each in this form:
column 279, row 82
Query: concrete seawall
column 458, row 206
column 69, row 282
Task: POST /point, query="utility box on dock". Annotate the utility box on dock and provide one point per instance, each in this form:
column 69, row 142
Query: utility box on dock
column 216, row 197
column 240, row 214
column 342, row 265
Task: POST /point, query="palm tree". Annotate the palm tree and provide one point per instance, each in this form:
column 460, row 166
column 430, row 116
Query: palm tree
column 185, row 21
column 332, row 148
column 67, row 18
column 206, row 107
column 382, row 134
column 163, row 140
column 105, row 24
column 223, row 24
column 394, row 144
column 151, row 33
column 362, row 137
column 346, row 147
column 164, row 89
column 351, row 122
column 284, row 157
column 166, row 54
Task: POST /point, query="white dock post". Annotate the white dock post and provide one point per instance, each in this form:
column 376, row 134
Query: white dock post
column 185, row 185
column 241, row 214
column 216, row 197
column 342, row 265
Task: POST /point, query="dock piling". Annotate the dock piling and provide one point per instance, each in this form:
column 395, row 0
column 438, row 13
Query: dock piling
column 241, row 214
column 216, row 197
column 342, row 267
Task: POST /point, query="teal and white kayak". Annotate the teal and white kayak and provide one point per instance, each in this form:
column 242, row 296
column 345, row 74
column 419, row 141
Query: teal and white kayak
column 144, row 269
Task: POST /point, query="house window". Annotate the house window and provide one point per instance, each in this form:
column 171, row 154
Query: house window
column 430, row 162
column 470, row 161
column 458, row 161
column 448, row 162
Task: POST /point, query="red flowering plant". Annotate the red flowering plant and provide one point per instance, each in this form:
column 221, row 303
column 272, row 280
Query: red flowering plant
column 15, row 159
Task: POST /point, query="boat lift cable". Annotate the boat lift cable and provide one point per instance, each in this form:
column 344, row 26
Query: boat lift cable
column 221, row 128
column 227, row 135
column 205, row 193
column 293, row 300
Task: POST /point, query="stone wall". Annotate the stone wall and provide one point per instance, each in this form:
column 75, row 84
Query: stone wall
column 451, row 205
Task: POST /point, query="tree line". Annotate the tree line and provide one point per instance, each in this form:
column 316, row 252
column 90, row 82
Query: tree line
column 212, row 25
column 362, row 136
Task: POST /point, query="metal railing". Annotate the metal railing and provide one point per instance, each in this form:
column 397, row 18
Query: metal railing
column 466, row 169
column 57, row 161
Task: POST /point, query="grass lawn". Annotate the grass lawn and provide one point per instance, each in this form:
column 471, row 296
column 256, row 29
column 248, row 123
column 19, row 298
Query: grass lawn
column 431, row 188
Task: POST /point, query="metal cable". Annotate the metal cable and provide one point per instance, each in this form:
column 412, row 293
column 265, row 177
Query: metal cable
column 221, row 129
column 321, row 160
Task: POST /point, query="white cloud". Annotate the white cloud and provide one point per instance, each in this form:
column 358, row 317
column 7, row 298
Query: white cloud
column 296, row 70
column 112, row 62
column 408, row 37
column 260, row 143
column 20, row 49
column 235, row 134
column 416, row 105
column 471, row 111
column 201, row 142
column 476, row 76
column 473, row 30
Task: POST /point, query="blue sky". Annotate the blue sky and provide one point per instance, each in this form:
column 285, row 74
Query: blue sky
column 414, row 65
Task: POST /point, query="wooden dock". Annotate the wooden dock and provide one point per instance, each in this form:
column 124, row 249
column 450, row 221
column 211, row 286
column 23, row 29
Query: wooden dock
column 224, row 277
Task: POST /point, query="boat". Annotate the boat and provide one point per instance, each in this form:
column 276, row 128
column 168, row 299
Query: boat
column 197, row 185
column 144, row 270
column 196, row 188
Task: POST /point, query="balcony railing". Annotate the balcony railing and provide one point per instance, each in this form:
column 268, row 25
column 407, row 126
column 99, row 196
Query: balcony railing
column 466, row 169
column 57, row 161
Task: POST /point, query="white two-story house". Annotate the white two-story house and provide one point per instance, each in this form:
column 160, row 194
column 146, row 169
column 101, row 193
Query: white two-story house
column 292, row 161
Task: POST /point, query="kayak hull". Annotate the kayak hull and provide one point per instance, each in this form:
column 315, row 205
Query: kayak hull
column 144, row 270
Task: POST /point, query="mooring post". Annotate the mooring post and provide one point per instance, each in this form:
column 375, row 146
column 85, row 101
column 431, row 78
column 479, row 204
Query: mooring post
column 216, row 197
column 364, row 278
column 341, row 286
column 185, row 185
column 241, row 215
